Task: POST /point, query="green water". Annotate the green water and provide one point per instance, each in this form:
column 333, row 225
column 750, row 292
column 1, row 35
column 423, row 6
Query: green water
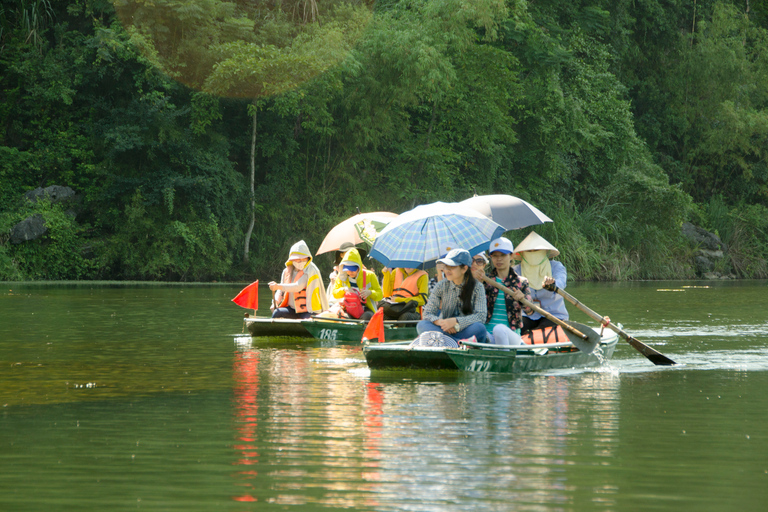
column 145, row 397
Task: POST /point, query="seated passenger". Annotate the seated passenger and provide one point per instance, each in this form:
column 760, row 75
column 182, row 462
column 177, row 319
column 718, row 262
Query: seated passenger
column 405, row 293
column 439, row 276
column 300, row 292
column 536, row 265
column 354, row 278
column 335, row 272
column 504, row 317
column 456, row 307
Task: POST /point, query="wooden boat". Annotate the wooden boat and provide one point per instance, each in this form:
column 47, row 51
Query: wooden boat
column 493, row 358
column 331, row 329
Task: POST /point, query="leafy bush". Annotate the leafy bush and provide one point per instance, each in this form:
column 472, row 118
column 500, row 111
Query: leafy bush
column 59, row 254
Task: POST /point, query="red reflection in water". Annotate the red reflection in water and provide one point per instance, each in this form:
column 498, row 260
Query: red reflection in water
column 246, row 375
column 374, row 402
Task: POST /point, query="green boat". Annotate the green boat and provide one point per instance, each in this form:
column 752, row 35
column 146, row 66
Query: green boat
column 400, row 354
column 331, row 329
column 495, row 358
column 347, row 330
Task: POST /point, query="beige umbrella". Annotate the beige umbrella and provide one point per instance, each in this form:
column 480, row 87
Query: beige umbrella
column 363, row 227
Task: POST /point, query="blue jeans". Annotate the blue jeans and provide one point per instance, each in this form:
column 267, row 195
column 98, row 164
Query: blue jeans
column 289, row 312
column 476, row 329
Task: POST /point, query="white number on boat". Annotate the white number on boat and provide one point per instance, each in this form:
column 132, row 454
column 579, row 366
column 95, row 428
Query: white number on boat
column 328, row 334
column 480, row 366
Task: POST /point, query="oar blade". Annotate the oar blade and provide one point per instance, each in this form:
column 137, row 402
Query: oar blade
column 652, row 355
column 587, row 346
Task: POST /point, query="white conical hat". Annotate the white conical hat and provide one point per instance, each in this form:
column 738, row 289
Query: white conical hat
column 534, row 242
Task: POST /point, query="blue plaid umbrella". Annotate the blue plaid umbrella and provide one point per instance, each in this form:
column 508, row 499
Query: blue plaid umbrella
column 418, row 237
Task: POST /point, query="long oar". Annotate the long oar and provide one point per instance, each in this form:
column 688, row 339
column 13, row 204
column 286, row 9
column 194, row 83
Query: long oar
column 580, row 341
column 653, row 355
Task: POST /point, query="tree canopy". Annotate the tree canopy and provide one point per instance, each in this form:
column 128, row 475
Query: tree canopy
column 620, row 120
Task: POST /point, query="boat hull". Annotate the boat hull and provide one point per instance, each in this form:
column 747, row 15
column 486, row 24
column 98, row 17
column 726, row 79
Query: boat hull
column 352, row 331
column 329, row 330
column 381, row 356
column 497, row 361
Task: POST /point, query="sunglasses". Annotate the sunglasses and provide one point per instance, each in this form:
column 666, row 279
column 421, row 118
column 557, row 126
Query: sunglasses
column 479, row 261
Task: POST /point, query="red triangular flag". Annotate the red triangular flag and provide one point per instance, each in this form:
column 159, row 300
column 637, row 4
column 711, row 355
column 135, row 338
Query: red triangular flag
column 375, row 327
column 248, row 296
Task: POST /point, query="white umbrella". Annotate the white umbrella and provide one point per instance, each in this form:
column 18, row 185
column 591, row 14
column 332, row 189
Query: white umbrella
column 509, row 211
column 366, row 224
column 418, row 237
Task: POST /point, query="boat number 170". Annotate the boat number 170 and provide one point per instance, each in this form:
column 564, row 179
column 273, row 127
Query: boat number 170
column 328, row 334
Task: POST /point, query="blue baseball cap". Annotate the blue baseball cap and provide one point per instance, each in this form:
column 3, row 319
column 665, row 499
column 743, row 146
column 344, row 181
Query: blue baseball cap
column 350, row 268
column 456, row 257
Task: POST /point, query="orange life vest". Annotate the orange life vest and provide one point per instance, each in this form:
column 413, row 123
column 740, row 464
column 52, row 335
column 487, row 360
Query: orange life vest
column 407, row 288
column 553, row 334
column 299, row 298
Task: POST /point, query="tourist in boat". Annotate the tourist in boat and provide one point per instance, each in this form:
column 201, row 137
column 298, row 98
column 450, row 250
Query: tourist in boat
column 504, row 314
column 456, row 308
column 439, row 276
column 355, row 278
column 479, row 261
column 300, row 292
column 536, row 265
column 405, row 293
column 335, row 272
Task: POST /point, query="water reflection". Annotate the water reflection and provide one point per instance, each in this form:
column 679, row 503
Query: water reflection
column 246, row 388
column 314, row 430
column 515, row 435
column 303, row 429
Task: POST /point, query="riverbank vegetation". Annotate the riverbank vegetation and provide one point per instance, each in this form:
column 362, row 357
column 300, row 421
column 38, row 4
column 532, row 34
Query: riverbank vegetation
column 203, row 138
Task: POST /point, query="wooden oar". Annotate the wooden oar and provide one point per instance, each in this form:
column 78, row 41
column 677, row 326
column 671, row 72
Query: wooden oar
column 581, row 341
column 653, row 355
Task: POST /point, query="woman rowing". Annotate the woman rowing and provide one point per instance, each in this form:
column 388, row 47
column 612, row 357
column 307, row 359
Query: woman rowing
column 538, row 267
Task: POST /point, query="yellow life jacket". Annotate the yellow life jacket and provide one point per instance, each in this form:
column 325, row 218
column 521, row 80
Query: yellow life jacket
column 408, row 287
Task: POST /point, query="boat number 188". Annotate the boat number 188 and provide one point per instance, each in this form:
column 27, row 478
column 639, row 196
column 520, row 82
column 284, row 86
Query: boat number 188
column 328, row 334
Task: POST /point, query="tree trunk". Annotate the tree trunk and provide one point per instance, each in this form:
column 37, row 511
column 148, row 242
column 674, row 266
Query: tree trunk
column 246, row 249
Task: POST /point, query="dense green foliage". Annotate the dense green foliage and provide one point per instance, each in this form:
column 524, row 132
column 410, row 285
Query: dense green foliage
column 618, row 119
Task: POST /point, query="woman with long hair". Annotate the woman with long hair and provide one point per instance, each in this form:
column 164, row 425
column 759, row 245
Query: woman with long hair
column 456, row 307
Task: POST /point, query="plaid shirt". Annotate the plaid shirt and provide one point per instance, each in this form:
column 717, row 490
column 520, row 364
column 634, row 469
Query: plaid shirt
column 445, row 302
column 514, row 308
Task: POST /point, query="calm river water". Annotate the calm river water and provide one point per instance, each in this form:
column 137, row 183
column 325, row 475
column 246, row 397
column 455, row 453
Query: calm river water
column 138, row 396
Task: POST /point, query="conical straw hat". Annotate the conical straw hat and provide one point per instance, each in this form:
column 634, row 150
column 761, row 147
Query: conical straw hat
column 534, row 242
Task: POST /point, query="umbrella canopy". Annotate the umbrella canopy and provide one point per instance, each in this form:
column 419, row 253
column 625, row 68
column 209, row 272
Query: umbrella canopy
column 360, row 228
column 418, row 237
column 509, row 211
